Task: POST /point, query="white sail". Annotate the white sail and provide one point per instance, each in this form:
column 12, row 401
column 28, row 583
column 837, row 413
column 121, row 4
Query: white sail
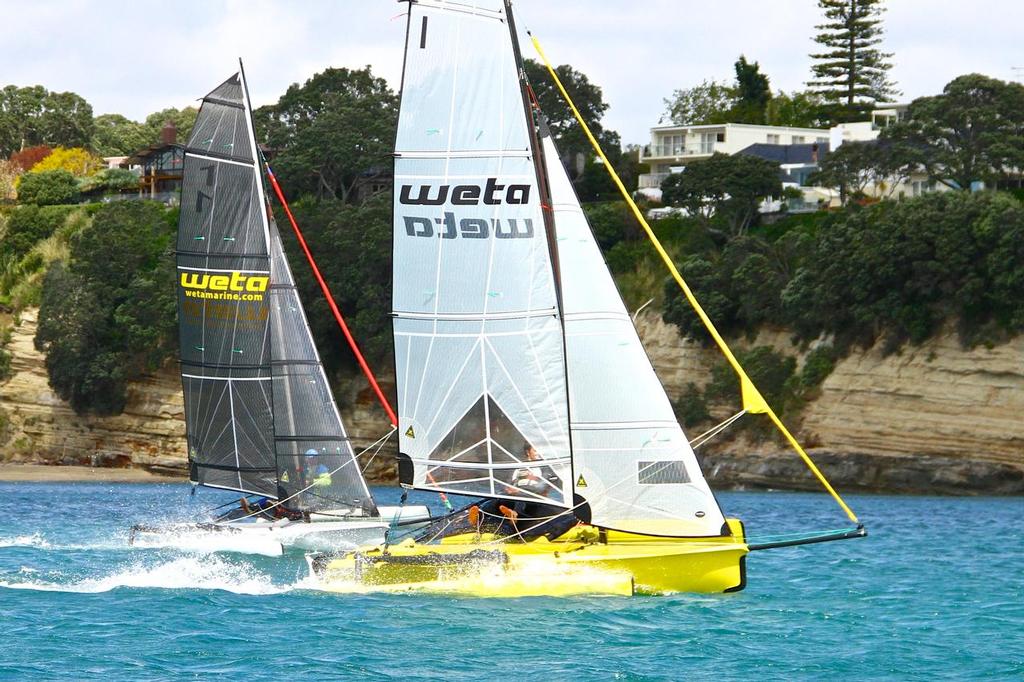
column 631, row 460
column 478, row 340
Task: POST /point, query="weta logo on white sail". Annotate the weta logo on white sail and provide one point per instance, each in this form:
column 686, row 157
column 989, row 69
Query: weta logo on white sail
column 469, row 228
column 466, row 195
column 448, row 227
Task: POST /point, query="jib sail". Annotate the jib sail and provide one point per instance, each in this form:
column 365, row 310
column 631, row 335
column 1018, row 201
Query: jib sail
column 317, row 469
column 631, row 460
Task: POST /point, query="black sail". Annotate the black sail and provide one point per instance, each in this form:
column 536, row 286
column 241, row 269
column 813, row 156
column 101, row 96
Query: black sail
column 223, row 270
column 317, row 469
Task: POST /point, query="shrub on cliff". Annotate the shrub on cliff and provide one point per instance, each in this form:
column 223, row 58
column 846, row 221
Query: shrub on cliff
column 48, row 187
column 21, row 279
column 5, row 355
column 27, row 226
column 108, row 315
column 894, row 271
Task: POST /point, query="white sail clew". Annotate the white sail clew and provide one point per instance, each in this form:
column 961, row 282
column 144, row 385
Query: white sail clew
column 631, row 460
column 478, row 340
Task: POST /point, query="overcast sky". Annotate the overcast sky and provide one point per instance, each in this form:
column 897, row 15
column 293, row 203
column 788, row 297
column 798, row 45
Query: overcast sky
column 134, row 57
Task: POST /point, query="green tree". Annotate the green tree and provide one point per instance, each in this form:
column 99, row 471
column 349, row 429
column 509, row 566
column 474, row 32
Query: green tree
column 851, row 73
column 709, row 102
column 856, row 166
column 753, row 93
column 896, row 270
column 108, row 316
column 729, row 188
column 33, row 116
column 49, row 187
column 611, row 222
column 115, row 135
column 800, row 109
column 28, row 225
column 360, row 281
column 973, row 131
column 568, row 136
column 66, row 120
column 183, row 120
column 21, row 110
column 330, row 132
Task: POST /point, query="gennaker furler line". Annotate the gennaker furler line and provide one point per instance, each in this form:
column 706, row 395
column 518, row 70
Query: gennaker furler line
column 521, row 378
column 259, row 413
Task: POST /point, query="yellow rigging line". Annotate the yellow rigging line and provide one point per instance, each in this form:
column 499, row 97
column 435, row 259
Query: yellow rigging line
column 753, row 401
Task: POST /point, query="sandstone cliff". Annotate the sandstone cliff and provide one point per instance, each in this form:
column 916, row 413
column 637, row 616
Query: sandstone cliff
column 36, row 426
column 934, row 418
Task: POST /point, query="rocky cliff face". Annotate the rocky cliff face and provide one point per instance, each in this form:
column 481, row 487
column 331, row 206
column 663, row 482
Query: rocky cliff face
column 934, row 418
column 36, row 426
column 42, row 428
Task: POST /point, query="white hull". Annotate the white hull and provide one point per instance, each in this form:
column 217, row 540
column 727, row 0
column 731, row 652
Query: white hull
column 324, row 532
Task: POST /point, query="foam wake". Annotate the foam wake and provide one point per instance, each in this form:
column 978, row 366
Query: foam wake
column 188, row 538
column 34, row 540
column 185, row 573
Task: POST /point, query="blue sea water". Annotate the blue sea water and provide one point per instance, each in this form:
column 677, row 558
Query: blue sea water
column 936, row 591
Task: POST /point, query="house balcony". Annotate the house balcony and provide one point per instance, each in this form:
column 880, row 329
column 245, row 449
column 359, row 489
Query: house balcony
column 679, row 152
column 651, row 180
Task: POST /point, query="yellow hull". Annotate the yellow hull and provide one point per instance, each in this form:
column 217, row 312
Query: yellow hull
column 583, row 561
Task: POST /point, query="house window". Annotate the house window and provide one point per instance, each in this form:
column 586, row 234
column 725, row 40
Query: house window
column 773, row 139
column 707, row 142
column 798, row 139
column 720, row 137
column 671, row 145
column 822, row 139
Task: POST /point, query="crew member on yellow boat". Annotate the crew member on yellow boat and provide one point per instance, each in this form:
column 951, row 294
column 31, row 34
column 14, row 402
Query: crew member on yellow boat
column 539, row 480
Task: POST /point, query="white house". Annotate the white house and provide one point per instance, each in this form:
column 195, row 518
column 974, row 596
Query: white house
column 673, row 146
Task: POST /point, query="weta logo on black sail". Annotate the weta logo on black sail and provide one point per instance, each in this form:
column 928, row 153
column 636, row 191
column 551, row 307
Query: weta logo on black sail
column 448, row 227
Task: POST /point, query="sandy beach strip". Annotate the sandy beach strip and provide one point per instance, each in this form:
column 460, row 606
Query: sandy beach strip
column 10, row 471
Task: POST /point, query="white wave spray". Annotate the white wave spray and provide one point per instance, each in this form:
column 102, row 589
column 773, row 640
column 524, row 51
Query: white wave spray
column 184, row 573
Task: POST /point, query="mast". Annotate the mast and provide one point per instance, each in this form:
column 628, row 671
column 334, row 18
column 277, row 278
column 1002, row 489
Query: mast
column 309, row 436
column 530, row 106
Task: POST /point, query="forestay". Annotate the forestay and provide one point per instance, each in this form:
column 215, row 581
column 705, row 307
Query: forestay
column 631, row 460
column 316, row 466
column 223, row 271
column 478, row 339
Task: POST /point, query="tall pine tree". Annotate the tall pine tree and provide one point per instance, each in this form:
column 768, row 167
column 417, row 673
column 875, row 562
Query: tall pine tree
column 753, row 93
column 851, row 72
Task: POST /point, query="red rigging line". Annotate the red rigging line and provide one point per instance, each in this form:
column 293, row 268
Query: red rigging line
column 330, row 301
